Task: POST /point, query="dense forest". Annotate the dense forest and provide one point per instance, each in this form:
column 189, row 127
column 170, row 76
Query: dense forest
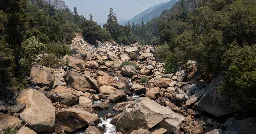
column 30, row 28
column 218, row 34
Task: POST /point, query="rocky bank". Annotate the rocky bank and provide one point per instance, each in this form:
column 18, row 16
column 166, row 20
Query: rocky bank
column 119, row 89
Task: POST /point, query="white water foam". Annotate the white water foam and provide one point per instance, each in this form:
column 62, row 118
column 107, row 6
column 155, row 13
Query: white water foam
column 109, row 128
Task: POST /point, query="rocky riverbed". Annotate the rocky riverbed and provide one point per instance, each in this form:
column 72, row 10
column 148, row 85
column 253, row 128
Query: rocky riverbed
column 114, row 89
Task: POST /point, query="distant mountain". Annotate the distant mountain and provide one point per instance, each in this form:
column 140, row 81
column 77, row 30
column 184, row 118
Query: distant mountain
column 58, row 4
column 152, row 12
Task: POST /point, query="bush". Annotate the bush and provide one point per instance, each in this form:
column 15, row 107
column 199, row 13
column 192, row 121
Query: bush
column 128, row 63
column 58, row 49
column 240, row 80
column 52, row 61
column 144, row 80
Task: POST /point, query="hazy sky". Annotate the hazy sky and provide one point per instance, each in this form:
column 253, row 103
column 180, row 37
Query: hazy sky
column 125, row 9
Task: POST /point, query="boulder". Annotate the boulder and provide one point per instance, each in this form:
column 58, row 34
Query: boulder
column 121, row 106
column 117, row 96
column 138, row 89
column 8, row 121
column 105, row 80
column 109, row 64
column 76, row 63
column 59, row 77
column 124, row 57
column 140, row 131
column 25, row 130
column 152, row 93
column 107, row 89
column 243, row 126
column 85, row 101
column 213, row 102
column 144, row 56
column 92, row 130
column 161, row 82
column 131, row 49
column 128, row 70
column 92, row 65
column 79, row 82
column 72, row 119
column 39, row 113
column 64, row 95
column 147, row 114
column 160, row 131
column 42, row 76
column 145, row 71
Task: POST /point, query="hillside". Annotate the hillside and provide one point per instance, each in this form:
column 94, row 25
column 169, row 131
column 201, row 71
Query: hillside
column 58, row 4
column 152, row 12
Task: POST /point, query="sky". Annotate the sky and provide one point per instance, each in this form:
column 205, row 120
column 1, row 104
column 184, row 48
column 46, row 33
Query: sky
column 124, row 9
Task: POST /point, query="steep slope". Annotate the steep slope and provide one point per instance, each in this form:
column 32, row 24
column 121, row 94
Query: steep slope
column 152, row 12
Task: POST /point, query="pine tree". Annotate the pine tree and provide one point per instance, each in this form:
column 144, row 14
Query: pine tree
column 91, row 17
column 15, row 28
column 76, row 16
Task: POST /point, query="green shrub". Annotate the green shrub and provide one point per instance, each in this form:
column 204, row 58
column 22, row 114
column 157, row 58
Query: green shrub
column 58, row 49
column 129, row 63
column 10, row 131
column 144, row 79
column 240, row 78
column 51, row 60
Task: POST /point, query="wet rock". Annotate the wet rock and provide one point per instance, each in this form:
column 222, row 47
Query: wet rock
column 118, row 96
column 42, row 76
column 128, row 70
column 140, row 131
column 92, row 130
column 25, row 130
column 146, row 114
column 8, row 121
column 39, row 113
column 72, row 119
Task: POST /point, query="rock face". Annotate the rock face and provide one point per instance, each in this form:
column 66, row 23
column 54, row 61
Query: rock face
column 41, row 76
column 148, row 114
column 213, row 102
column 72, row 119
column 8, row 121
column 39, row 113
column 128, row 70
column 25, row 130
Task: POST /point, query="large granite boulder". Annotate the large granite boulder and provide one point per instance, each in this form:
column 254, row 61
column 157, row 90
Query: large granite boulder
column 213, row 102
column 76, row 63
column 105, row 80
column 128, row 70
column 161, row 82
column 147, row 114
column 72, row 119
column 64, row 95
column 42, row 76
column 39, row 113
column 80, row 82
